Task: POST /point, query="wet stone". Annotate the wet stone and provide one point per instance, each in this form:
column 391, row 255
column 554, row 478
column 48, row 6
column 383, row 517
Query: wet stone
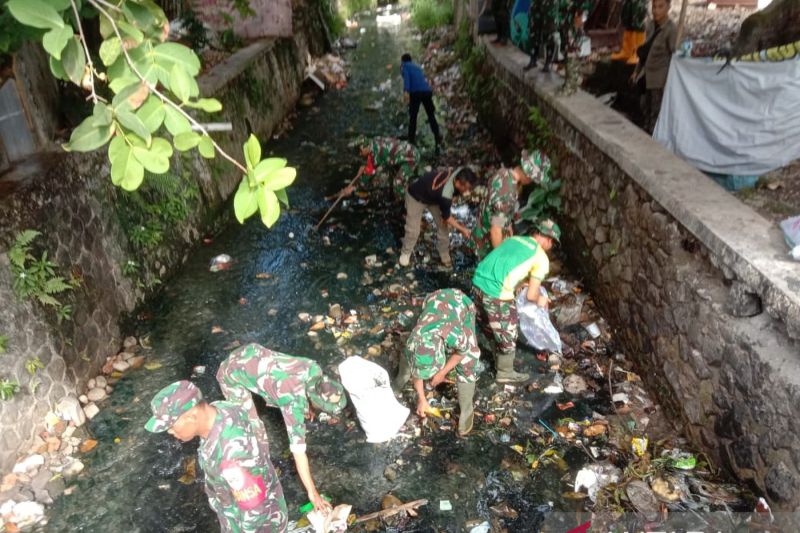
column 782, row 484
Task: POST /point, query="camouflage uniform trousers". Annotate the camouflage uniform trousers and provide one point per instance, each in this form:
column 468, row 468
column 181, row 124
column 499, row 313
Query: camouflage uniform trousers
column 445, row 327
column 241, row 483
column 500, row 202
column 499, row 321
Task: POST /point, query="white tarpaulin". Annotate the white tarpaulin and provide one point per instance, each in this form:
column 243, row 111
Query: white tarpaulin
column 743, row 121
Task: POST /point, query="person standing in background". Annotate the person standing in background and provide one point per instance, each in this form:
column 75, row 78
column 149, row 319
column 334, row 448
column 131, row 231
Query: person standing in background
column 416, row 92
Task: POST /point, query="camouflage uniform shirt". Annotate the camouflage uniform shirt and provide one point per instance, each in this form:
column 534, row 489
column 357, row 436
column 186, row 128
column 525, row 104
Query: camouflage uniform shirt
column 241, row 484
column 497, row 208
column 445, row 327
column 278, row 378
column 400, row 155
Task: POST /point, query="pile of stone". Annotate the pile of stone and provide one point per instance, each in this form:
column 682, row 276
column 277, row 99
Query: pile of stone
column 43, row 474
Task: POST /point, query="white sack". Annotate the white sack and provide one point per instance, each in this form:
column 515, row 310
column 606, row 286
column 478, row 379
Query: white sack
column 744, row 121
column 379, row 412
column 535, row 324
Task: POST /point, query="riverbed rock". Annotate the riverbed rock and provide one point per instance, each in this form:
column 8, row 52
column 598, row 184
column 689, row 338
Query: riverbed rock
column 83, row 399
column 96, row 394
column 129, row 342
column 69, row 408
column 335, row 311
column 341, row 276
column 74, row 468
column 390, row 473
column 121, row 366
column 29, row 464
column 91, row 410
column 575, row 384
column 92, row 383
column 26, row 514
column 101, row 381
column 137, row 361
column 8, row 482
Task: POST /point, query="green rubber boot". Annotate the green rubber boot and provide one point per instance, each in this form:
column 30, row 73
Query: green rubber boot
column 403, row 375
column 466, row 405
column 506, row 372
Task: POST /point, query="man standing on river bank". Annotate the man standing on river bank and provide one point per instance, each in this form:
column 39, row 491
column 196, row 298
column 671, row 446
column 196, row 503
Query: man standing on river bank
column 241, row 484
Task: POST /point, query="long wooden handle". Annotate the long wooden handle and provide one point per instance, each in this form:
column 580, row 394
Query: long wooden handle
column 392, row 511
column 341, row 195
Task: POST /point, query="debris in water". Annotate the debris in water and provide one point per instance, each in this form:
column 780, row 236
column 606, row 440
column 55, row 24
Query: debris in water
column 220, row 262
column 445, row 505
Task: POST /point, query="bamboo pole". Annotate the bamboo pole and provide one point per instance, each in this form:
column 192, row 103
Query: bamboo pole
column 681, row 21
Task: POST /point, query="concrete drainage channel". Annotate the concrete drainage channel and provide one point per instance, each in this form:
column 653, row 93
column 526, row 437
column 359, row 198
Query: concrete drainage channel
column 585, row 434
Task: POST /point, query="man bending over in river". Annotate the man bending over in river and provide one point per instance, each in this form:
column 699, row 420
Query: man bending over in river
column 400, row 157
column 443, row 340
column 288, row 383
column 241, row 484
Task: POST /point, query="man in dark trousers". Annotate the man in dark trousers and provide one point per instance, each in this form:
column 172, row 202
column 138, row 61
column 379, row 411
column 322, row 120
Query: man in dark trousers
column 416, row 91
column 501, row 9
column 434, row 191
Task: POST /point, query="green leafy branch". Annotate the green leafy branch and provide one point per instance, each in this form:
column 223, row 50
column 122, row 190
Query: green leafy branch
column 36, row 278
column 543, row 202
column 150, row 85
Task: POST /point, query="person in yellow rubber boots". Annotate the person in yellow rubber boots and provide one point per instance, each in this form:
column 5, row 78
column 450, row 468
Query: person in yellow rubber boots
column 516, row 260
column 634, row 13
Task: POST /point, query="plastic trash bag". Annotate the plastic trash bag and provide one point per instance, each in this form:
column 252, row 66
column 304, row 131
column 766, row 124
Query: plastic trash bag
column 379, row 412
column 535, row 324
column 791, row 231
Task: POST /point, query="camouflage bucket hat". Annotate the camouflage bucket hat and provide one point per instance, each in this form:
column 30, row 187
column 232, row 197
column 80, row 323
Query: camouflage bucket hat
column 536, row 165
column 549, row 228
column 326, row 395
column 170, row 403
column 360, row 142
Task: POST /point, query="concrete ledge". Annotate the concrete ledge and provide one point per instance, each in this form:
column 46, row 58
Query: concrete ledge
column 220, row 75
column 740, row 239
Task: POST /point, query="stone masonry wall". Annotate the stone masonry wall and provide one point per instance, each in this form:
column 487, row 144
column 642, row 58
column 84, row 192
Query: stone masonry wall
column 69, row 198
column 696, row 285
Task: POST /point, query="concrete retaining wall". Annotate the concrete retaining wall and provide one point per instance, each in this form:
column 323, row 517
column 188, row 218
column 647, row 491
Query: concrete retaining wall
column 69, row 198
column 697, row 286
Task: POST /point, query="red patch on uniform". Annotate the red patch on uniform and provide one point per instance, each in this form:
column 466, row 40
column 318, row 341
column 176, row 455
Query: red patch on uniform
column 370, row 169
column 248, row 490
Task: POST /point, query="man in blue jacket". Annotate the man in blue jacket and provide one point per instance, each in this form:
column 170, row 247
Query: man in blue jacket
column 416, row 91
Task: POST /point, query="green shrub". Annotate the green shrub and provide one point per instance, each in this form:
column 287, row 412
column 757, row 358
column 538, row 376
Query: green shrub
column 351, row 7
column 427, row 14
column 333, row 19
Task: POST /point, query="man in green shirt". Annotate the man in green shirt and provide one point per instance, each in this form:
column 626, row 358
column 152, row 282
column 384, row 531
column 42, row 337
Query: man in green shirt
column 515, row 261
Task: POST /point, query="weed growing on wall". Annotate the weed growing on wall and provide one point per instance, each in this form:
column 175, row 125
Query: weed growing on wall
column 3, row 343
column 333, row 18
column 36, row 278
column 539, row 133
column 428, row 14
column 8, row 389
column 348, row 8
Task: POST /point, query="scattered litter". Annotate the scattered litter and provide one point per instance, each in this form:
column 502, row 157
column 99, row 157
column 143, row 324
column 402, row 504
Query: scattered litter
column 445, row 505
column 639, row 445
column 596, row 476
column 333, row 521
column 534, row 322
column 220, row 262
column 483, row 527
column 593, row 330
column 643, row 499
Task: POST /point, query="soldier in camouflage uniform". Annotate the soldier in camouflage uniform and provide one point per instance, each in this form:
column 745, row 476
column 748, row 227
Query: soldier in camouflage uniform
column 443, row 340
column 400, row 157
column 572, row 13
column 288, row 383
column 499, row 207
column 517, row 260
column 241, row 484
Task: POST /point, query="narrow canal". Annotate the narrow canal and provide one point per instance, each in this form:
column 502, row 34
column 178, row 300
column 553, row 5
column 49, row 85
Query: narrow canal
column 135, row 481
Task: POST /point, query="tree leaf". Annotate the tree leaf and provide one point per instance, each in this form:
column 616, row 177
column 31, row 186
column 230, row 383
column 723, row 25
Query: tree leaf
column 206, row 147
column 280, row 179
column 180, row 83
column 88, row 136
column 35, row 13
column 56, row 39
column 245, row 203
column 268, row 206
column 151, row 161
column 175, row 122
column 57, row 68
column 152, row 113
column 186, row 141
column 134, row 124
column 131, row 97
column 73, row 60
column 169, row 54
column 131, row 31
column 209, row 105
column 101, row 114
column 161, row 147
column 283, row 197
column 110, row 50
column 126, row 171
column 252, row 151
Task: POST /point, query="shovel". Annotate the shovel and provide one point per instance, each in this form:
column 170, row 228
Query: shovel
column 341, row 195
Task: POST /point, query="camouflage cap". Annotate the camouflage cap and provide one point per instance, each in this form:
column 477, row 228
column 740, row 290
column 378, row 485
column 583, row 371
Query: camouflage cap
column 549, row 228
column 326, row 394
column 536, row 165
column 362, row 141
column 170, row 403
